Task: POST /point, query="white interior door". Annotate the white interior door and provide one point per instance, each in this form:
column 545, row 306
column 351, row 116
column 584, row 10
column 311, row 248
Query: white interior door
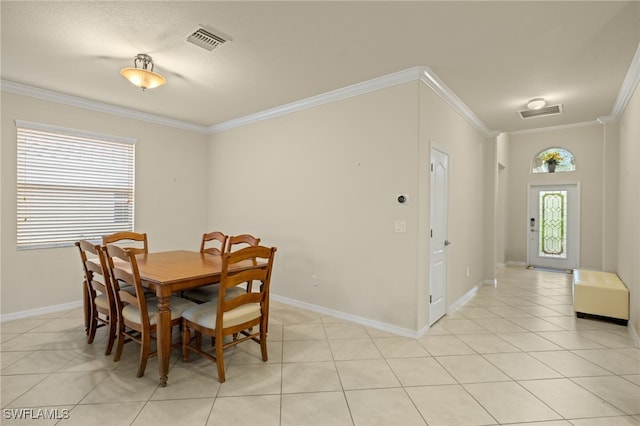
column 553, row 227
column 438, row 236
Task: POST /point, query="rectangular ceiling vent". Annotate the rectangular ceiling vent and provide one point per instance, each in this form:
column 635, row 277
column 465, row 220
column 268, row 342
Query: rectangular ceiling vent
column 542, row 112
column 205, row 39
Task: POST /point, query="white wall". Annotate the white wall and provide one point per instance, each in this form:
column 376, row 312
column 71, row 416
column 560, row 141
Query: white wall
column 171, row 188
column 320, row 184
column 628, row 231
column 586, row 143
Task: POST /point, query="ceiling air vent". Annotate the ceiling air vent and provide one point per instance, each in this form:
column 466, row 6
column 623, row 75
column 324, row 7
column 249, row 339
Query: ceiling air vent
column 205, row 39
column 542, row 112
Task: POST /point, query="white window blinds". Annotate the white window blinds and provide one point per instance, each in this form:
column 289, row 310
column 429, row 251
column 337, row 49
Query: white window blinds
column 71, row 185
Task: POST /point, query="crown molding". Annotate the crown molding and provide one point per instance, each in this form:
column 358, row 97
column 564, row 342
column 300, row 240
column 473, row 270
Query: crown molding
column 631, row 81
column 424, row 74
column 48, row 95
column 432, row 80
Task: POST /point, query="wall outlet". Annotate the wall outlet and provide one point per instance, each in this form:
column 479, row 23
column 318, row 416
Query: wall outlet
column 314, row 280
column 468, row 273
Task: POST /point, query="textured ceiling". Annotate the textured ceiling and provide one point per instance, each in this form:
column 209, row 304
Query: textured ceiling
column 494, row 56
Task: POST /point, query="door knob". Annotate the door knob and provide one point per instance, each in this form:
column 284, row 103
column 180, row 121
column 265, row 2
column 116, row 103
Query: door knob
column 447, row 242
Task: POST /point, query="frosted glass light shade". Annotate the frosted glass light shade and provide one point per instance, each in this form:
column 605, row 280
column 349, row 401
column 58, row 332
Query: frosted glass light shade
column 142, row 78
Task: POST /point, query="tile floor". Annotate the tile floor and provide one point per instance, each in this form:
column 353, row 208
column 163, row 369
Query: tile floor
column 513, row 354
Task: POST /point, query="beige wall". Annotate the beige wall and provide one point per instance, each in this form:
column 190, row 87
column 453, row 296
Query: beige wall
column 586, row 143
column 320, row 184
column 628, row 232
column 171, row 188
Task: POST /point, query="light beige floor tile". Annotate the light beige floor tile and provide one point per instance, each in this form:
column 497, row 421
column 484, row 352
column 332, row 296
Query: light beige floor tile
column 9, row 358
column 189, row 383
column 121, row 413
column 549, row 423
column 252, row 379
column 321, row 409
column 310, row 377
column 471, row 369
column 60, row 389
column 354, row 349
column 448, row 405
column 345, row 331
column 462, row 326
column 617, row 391
column 445, row 345
column 399, row 347
column 261, row 410
column 529, row 342
column 569, row 364
column 633, row 378
column 383, row 407
column 21, row 325
column 306, row 351
column 474, row 312
column 420, row 372
column 41, row 362
column 366, row 374
column 569, row 340
column 11, row 387
column 562, row 394
column 304, row 332
column 508, row 402
column 608, row 339
column 521, row 366
column 509, row 312
column 487, row 343
column 630, row 352
column 122, row 386
column 607, row 421
column 540, row 311
column 58, row 325
column 251, row 353
column 500, row 325
column 186, row 412
column 436, row 329
column 613, row 361
column 35, row 342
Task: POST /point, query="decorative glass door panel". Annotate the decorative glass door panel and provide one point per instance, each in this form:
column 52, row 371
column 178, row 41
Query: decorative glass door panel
column 553, row 224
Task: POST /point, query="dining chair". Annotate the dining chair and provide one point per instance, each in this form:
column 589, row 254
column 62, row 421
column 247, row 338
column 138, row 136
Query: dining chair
column 236, row 316
column 134, row 241
column 219, row 241
column 213, row 243
column 99, row 302
column 137, row 314
column 242, row 240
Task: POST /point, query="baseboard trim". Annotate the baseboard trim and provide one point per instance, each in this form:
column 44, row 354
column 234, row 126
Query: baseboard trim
column 40, row 311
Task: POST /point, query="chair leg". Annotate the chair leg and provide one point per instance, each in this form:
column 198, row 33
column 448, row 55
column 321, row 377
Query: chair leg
column 220, row 360
column 263, row 342
column 144, row 353
column 112, row 335
column 120, row 345
column 186, row 337
column 93, row 325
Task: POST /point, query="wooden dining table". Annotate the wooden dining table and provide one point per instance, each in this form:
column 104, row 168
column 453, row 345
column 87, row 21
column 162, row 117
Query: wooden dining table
column 166, row 273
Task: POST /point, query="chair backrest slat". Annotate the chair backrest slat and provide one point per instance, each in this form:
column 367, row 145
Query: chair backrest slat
column 134, row 241
column 217, row 238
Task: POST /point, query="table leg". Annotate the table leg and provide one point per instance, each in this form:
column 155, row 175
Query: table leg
column 164, row 338
column 85, row 306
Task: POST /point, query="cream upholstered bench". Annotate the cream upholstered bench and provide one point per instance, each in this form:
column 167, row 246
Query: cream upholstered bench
column 600, row 294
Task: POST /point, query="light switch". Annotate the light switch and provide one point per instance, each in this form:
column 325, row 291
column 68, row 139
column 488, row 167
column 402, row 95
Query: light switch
column 401, row 226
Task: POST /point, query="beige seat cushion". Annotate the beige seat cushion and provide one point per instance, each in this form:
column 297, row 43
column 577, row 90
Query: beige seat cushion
column 600, row 293
column 210, row 292
column 177, row 304
column 205, row 314
column 102, row 302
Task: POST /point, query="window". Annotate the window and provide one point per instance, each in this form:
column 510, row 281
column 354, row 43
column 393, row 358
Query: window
column 71, row 185
column 566, row 164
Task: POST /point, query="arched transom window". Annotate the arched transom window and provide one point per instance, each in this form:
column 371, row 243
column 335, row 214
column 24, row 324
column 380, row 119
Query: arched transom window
column 553, row 160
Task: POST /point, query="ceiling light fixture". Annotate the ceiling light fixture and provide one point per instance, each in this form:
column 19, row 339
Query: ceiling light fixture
column 536, row 103
column 143, row 77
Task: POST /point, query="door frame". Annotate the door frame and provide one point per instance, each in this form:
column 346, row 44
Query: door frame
column 573, row 237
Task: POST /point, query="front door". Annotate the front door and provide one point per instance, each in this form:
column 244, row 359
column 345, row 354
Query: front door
column 438, row 236
column 554, row 212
